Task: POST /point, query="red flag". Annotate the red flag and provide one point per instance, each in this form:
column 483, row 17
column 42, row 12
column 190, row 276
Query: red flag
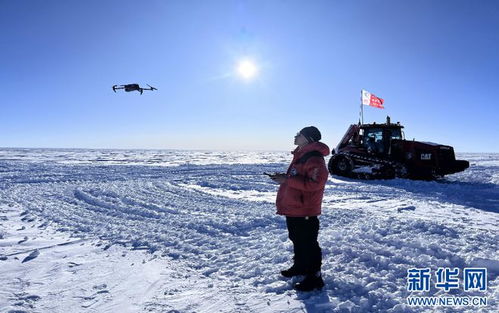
column 371, row 100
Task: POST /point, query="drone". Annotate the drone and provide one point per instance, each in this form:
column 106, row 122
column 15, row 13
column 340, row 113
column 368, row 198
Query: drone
column 133, row 87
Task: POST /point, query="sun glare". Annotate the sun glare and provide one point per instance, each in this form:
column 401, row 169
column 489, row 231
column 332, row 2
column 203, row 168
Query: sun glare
column 247, row 69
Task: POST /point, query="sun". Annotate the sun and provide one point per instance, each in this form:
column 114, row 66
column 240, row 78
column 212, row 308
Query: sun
column 247, row 69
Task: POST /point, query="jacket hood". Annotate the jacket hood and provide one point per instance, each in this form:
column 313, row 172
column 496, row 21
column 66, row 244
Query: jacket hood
column 313, row 146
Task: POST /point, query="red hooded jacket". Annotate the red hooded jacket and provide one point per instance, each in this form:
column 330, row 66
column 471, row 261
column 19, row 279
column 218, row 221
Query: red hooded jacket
column 301, row 194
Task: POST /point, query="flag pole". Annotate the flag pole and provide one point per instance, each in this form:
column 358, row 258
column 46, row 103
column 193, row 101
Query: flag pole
column 361, row 108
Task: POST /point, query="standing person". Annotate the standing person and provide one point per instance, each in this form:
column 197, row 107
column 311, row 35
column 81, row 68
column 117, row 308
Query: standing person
column 299, row 199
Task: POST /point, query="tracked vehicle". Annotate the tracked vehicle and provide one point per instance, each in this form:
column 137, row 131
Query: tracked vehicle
column 379, row 151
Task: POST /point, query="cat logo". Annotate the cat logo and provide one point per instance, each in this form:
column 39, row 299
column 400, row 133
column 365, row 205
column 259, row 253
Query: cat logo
column 425, row 156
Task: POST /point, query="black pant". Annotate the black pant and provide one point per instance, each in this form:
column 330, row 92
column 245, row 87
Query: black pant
column 303, row 233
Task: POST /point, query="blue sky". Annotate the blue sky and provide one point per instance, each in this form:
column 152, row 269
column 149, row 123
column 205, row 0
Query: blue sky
column 435, row 63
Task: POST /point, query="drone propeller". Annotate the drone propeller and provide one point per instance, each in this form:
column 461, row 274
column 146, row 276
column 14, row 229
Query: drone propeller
column 152, row 88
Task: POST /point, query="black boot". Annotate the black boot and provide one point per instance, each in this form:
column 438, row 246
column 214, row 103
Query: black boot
column 292, row 271
column 310, row 283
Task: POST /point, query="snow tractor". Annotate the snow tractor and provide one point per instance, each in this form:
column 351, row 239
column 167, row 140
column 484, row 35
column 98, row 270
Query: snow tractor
column 379, row 151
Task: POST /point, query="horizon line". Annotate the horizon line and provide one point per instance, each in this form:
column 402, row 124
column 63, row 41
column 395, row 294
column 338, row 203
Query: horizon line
column 187, row 149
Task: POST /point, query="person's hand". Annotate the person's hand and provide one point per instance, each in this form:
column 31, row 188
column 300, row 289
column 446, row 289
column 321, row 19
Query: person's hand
column 278, row 177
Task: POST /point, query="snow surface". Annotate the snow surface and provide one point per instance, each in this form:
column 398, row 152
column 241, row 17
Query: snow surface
column 196, row 231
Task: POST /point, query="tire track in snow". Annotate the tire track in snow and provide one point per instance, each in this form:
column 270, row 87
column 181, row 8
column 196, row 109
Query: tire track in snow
column 134, row 211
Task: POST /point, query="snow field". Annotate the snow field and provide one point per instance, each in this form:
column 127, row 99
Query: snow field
column 208, row 231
